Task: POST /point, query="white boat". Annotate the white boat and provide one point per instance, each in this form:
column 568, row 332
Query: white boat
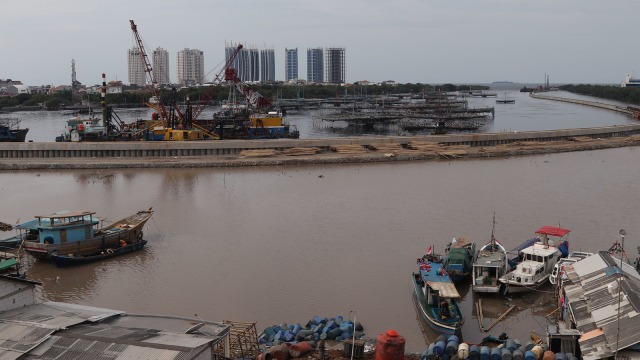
column 558, row 269
column 489, row 265
column 537, row 262
column 630, row 81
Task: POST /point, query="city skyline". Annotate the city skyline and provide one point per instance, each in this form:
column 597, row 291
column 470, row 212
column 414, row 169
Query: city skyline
column 431, row 42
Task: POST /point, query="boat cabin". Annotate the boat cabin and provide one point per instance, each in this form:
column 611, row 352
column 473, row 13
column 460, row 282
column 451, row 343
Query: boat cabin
column 61, row 227
column 487, row 269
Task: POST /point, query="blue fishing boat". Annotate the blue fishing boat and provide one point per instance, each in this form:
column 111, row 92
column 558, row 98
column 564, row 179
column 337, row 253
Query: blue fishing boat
column 458, row 259
column 79, row 233
column 437, row 297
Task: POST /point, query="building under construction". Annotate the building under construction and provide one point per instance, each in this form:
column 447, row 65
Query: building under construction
column 335, row 65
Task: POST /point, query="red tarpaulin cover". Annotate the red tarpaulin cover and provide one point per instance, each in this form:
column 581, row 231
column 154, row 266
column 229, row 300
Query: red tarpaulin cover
column 553, row 231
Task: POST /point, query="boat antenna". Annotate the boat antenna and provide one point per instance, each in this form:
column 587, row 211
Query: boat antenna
column 196, row 327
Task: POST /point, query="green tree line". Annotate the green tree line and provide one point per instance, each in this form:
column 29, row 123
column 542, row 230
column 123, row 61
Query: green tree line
column 628, row 95
column 220, row 93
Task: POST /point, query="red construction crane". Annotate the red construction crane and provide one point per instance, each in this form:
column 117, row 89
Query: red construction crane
column 253, row 97
column 148, row 69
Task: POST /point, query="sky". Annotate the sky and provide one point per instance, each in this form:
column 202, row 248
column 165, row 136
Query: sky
column 408, row 41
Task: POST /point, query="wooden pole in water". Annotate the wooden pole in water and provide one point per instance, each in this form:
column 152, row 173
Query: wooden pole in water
column 500, row 318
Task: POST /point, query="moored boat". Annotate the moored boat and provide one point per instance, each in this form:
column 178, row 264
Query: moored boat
column 436, row 296
column 558, row 269
column 79, row 233
column 537, row 261
column 103, row 254
column 10, row 131
column 489, row 265
column 458, row 260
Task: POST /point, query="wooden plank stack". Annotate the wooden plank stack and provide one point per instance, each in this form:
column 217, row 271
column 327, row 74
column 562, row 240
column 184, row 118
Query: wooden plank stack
column 349, row 149
column 258, row 153
column 301, row 151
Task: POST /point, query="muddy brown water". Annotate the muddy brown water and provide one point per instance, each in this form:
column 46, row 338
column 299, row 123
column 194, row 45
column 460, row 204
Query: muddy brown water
column 282, row 244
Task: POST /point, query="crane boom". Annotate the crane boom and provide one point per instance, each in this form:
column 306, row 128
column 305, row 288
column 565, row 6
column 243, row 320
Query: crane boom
column 253, row 97
column 148, row 69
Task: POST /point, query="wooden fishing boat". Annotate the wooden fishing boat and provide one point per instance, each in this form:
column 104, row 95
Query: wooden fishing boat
column 437, row 297
column 458, row 259
column 538, row 261
column 79, row 233
column 103, row 254
column 489, row 265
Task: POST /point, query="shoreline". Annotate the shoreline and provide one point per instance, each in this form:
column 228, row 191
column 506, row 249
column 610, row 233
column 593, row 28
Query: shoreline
column 280, row 158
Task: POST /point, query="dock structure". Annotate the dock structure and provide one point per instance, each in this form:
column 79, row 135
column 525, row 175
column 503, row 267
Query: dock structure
column 214, row 148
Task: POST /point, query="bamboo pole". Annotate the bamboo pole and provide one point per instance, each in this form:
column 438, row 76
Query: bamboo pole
column 500, row 318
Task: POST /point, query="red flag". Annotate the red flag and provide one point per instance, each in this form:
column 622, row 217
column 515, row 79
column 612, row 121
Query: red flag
column 430, row 250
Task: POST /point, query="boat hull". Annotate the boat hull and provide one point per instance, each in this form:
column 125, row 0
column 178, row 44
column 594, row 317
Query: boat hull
column 128, row 229
column 511, row 287
column 65, row 261
column 429, row 313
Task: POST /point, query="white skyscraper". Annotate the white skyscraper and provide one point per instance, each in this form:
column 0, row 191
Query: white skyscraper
column 190, row 67
column 267, row 65
column 136, row 67
column 161, row 66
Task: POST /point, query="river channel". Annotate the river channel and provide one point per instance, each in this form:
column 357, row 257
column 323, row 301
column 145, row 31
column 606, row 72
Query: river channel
column 282, row 244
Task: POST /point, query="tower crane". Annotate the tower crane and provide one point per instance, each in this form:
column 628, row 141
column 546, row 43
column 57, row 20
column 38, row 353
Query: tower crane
column 148, row 69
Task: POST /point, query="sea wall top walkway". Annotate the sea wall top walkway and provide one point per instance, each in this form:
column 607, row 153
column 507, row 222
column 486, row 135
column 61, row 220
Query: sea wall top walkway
column 213, row 148
column 616, row 108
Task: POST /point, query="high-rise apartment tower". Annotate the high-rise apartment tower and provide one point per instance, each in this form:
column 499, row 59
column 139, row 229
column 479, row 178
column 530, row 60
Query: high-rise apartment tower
column 291, row 64
column 190, row 67
column 315, row 65
column 267, row 65
column 161, row 66
column 135, row 66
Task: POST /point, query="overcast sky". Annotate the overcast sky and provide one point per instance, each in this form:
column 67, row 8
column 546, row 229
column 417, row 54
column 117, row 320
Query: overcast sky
column 432, row 42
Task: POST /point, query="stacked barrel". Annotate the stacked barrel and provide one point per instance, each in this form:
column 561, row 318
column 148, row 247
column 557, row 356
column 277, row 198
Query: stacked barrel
column 445, row 348
column 318, row 328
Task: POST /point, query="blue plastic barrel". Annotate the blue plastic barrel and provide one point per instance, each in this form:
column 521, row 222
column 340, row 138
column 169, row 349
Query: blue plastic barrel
column 474, row 352
column 424, row 354
column 319, row 320
column 561, row 356
column 346, row 326
column 454, row 338
column 529, row 355
column 296, row 328
column 428, row 354
column 441, row 338
column 431, row 355
column 339, row 319
column 510, row 344
column 484, row 352
column 517, row 354
column 495, row 354
column 452, row 348
column 505, row 354
column 439, row 348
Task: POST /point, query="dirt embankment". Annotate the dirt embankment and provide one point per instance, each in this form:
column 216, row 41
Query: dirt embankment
column 384, row 152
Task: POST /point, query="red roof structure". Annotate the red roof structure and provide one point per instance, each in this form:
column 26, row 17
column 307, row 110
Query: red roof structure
column 553, row 231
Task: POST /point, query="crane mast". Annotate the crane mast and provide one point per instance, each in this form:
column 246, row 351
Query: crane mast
column 148, row 69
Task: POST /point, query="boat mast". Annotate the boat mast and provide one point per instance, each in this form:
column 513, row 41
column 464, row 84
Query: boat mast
column 493, row 238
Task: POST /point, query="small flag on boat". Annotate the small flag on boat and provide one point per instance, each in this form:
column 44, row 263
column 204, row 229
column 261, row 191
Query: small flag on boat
column 430, row 250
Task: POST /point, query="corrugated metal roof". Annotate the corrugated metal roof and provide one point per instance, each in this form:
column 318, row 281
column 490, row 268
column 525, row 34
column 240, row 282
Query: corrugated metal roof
column 63, row 331
column 598, row 305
